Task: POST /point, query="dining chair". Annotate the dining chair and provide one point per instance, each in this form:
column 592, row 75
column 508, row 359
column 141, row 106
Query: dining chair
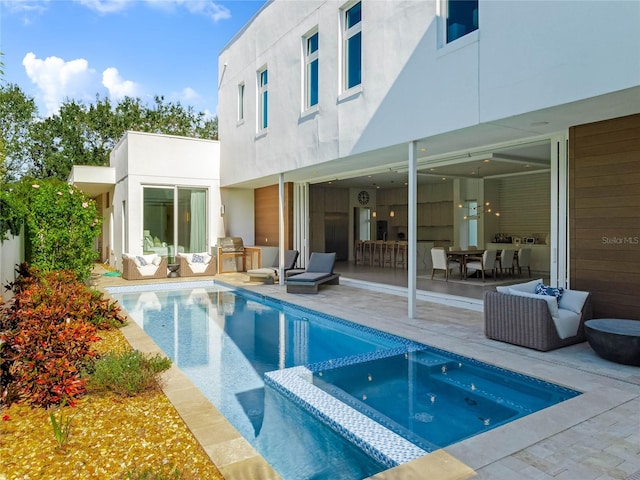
column 486, row 262
column 506, row 260
column 440, row 261
column 523, row 259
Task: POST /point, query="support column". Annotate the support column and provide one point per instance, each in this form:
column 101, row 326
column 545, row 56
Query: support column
column 413, row 230
column 281, row 240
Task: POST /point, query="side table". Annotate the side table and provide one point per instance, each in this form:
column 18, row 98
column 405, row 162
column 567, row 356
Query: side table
column 615, row 339
column 173, row 270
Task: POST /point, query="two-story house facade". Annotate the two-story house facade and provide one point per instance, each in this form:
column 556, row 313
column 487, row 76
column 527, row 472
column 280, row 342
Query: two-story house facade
column 478, row 100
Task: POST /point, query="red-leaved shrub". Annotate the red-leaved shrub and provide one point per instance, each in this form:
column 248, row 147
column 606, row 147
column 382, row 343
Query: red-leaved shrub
column 53, row 321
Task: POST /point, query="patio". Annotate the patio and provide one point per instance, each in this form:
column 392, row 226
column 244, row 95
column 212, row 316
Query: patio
column 593, row 436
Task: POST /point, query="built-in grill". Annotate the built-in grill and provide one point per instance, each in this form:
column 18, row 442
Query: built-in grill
column 230, row 244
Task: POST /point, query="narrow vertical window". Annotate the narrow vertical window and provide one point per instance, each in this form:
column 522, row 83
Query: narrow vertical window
column 263, row 97
column 241, row 102
column 352, row 48
column 462, row 18
column 311, row 70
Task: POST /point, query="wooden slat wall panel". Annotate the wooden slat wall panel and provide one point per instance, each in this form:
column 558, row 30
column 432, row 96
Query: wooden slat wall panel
column 524, row 205
column 266, row 215
column 604, row 205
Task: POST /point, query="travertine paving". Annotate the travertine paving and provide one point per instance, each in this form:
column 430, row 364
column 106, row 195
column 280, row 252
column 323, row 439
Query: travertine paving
column 593, row 436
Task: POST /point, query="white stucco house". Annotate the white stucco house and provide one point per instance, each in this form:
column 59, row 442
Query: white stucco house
column 406, row 117
column 161, row 194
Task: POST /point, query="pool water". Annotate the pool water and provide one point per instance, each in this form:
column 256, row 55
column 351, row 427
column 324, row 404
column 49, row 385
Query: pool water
column 357, row 400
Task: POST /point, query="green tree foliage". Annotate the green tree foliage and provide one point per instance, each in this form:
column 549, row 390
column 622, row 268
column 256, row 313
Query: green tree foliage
column 84, row 134
column 62, row 224
column 18, row 114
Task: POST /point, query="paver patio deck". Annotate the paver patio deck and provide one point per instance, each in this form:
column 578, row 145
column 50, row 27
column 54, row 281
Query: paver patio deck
column 593, row 436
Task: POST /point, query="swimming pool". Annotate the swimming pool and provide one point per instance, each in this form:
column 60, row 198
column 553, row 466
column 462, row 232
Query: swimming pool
column 357, row 400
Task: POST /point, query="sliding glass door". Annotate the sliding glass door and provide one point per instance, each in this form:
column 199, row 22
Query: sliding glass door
column 174, row 220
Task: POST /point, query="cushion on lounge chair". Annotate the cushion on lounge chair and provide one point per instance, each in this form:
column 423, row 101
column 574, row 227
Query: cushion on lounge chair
column 309, row 277
column 321, row 262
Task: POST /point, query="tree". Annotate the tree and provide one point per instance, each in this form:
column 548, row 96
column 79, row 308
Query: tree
column 85, row 134
column 18, row 113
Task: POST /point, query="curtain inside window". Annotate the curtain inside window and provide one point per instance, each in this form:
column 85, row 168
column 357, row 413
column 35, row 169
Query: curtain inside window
column 198, row 231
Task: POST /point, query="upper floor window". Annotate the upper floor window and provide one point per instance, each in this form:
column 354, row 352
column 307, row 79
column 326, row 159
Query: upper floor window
column 462, row 18
column 311, row 70
column 241, row 102
column 352, row 46
column 263, row 97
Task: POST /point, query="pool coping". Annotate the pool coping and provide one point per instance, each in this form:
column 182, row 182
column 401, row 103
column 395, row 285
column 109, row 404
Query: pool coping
column 459, row 461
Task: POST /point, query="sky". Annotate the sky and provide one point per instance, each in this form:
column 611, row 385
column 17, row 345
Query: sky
column 57, row 49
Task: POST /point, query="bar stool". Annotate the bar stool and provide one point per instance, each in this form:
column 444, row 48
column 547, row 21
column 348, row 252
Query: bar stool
column 402, row 253
column 388, row 256
column 367, row 252
column 358, row 252
column 378, row 247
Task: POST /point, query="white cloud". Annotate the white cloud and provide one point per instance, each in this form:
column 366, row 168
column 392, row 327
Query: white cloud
column 189, row 94
column 105, row 6
column 118, row 88
column 209, row 8
column 58, row 79
column 28, row 6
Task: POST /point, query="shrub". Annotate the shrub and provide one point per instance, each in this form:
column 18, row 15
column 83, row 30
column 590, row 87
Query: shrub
column 49, row 328
column 62, row 224
column 126, row 374
column 43, row 358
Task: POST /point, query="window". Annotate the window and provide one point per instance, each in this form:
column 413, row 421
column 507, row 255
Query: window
column 311, row 70
column 240, row 102
column 263, row 100
column 174, row 220
column 462, row 18
column 352, row 47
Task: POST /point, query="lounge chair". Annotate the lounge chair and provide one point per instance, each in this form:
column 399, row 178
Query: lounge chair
column 269, row 274
column 319, row 271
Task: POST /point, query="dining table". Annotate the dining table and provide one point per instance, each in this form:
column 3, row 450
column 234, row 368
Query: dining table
column 462, row 256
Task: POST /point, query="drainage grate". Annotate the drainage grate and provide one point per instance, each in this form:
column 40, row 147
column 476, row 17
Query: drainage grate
column 634, row 476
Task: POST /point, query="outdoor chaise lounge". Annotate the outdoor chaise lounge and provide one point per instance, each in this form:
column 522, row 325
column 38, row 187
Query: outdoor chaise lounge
column 517, row 315
column 196, row 264
column 269, row 274
column 319, row 271
column 143, row 267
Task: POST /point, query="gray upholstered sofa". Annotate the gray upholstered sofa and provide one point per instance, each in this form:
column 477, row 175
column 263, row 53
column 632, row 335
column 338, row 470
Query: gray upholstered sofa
column 515, row 314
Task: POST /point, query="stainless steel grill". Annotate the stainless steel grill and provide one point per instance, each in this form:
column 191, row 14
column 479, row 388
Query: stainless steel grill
column 230, row 244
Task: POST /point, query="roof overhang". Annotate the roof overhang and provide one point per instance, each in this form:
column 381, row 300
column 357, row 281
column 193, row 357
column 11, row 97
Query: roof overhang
column 92, row 180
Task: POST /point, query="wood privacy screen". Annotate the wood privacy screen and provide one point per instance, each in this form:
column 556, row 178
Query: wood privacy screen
column 266, row 215
column 604, row 209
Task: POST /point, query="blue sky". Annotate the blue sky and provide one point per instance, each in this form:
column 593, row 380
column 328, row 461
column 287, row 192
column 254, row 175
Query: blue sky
column 57, row 49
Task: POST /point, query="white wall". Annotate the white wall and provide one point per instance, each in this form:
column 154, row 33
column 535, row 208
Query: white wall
column 149, row 159
column 526, row 56
column 239, row 214
column 11, row 254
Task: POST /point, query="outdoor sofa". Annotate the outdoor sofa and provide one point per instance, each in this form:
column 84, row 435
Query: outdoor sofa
column 143, row 267
column 516, row 314
column 196, row 264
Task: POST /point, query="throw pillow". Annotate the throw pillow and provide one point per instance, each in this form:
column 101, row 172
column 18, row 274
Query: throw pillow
column 542, row 289
column 141, row 260
column 197, row 258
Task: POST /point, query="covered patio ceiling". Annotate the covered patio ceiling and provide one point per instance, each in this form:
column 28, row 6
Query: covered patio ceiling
column 494, row 148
